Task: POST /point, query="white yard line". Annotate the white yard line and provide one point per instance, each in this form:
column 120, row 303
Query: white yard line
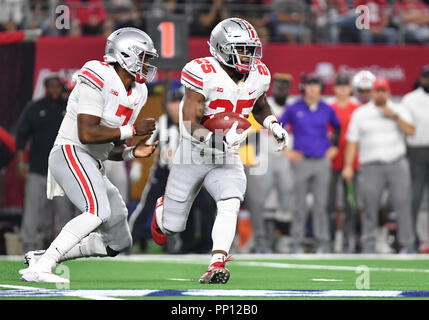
column 89, row 296
column 8, row 286
column 92, row 297
column 326, row 280
column 180, row 279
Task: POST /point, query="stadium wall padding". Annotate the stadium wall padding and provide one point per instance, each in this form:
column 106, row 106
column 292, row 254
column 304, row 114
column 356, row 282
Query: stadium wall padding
column 16, row 80
column 400, row 64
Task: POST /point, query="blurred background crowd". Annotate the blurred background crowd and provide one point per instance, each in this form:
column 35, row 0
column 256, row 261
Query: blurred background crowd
column 309, row 198
column 302, row 21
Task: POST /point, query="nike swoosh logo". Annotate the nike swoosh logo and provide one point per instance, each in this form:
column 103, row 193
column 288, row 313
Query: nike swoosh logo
column 251, row 92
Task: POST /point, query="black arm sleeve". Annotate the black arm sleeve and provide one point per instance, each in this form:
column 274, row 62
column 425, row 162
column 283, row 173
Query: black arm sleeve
column 24, row 128
column 335, row 138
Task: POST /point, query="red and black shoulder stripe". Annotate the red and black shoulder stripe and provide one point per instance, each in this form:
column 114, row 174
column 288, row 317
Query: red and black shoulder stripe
column 90, row 75
column 192, row 79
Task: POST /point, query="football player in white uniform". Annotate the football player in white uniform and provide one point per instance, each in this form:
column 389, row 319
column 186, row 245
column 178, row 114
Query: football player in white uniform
column 101, row 114
column 233, row 80
column 362, row 84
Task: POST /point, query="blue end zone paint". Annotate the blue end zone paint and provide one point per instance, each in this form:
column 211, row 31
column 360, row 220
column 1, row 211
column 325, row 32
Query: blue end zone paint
column 233, row 293
column 414, row 294
column 166, row 293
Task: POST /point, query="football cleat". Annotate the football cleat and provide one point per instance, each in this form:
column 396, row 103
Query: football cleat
column 216, row 273
column 38, row 273
column 157, row 235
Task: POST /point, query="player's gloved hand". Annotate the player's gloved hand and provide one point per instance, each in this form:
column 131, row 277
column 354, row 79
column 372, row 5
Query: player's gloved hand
column 280, row 134
column 233, row 139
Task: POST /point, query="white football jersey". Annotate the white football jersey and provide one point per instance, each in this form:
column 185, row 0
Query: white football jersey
column 100, row 92
column 207, row 77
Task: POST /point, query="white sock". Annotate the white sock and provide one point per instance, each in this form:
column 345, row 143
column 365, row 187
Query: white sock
column 225, row 224
column 90, row 246
column 71, row 234
column 217, row 257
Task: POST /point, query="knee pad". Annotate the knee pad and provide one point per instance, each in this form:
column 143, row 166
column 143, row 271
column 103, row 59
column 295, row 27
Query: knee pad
column 229, row 206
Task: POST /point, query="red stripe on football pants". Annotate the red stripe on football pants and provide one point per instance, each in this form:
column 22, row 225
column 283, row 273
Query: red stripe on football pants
column 82, row 179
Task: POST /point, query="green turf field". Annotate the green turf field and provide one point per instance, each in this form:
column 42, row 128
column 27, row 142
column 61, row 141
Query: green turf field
column 252, row 277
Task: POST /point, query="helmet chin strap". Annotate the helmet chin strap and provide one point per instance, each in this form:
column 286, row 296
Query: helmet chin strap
column 242, row 68
column 140, row 78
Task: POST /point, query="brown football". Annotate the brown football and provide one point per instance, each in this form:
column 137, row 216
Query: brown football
column 224, row 120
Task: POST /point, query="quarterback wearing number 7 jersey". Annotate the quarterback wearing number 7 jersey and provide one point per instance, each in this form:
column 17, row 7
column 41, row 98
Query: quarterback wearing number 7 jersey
column 101, row 114
column 233, row 79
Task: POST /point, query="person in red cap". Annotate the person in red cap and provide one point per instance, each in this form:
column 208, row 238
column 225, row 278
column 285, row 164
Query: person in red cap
column 378, row 129
column 381, row 83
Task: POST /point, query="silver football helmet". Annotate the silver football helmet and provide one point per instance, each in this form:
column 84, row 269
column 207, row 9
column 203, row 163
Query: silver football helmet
column 125, row 46
column 231, row 40
column 363, row 80
column 362, row 83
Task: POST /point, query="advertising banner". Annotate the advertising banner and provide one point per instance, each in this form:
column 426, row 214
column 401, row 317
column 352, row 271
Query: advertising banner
column 400, row 64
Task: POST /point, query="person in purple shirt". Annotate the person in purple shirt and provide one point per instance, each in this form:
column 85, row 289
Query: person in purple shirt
column 314, row 146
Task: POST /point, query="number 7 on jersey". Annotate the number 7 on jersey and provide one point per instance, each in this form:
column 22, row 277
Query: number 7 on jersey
column 124, row 111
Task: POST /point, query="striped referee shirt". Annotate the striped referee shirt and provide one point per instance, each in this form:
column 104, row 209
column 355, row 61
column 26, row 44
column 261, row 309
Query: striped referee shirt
column 380, row 138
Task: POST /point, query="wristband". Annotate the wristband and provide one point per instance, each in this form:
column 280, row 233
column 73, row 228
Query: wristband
column 268, row 121
column 127, row 131
column 128, row 153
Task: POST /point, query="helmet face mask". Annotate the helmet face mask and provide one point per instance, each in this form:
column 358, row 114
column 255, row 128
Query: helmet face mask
column 362, row 83
column 235, row 43
column 252, row 53
column 132, row 49
column 363, row 95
